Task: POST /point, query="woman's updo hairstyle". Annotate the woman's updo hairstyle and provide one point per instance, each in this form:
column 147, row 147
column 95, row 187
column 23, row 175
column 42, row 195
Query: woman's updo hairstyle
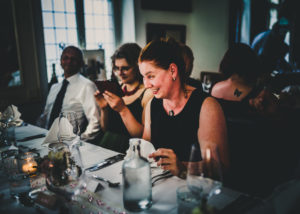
column 163, row 52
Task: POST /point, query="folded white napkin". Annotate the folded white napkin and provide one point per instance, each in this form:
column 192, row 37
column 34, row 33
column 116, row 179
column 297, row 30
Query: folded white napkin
column 51, row 136
column 17, row 115
column 146, row 149
column 62, row 128
column 16, row 120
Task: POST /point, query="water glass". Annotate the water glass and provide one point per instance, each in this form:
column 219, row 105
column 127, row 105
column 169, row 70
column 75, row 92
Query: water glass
column 187, row 201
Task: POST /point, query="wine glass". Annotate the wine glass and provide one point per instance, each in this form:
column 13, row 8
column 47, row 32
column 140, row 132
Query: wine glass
column 207, row 83
column 204, row 177
column 7, row 116
column 69, row 134
column 7, row 126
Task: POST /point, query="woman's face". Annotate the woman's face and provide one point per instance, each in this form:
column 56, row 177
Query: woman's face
column 124, row 71
column 157, row 79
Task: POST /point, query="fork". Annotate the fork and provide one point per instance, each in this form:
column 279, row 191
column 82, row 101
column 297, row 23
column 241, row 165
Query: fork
column 164, row 175
column 161, row 174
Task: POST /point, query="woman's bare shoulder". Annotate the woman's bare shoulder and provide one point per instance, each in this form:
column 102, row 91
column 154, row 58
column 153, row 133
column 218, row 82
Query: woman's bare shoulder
column 210, row 104
column 219, row 88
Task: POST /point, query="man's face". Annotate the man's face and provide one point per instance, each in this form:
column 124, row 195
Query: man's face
column 70, row 62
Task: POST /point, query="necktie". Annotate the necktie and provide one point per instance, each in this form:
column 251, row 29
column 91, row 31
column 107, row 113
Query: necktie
column 58, row 103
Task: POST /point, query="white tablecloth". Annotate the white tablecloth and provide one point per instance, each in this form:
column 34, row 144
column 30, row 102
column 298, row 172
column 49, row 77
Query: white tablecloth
column 163, row 193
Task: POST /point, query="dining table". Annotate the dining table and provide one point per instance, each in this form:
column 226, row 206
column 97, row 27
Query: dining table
column 95, row 196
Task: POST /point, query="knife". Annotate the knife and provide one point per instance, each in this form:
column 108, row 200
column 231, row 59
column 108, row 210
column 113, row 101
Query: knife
column 31, row 137
column 106, row 162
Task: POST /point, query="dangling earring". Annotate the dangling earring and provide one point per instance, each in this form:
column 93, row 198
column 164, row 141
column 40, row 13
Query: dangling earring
column 174, row 78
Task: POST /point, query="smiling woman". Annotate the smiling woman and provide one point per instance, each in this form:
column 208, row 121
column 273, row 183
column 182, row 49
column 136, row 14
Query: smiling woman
column 179, row 115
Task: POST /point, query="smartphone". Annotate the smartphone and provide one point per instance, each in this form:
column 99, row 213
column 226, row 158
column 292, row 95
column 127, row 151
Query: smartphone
column 109, row 85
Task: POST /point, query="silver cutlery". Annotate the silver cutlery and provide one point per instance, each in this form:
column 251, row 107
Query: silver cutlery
column 110, row 184
column 31, row 137
column 164, row 175
column 161, row 174
column 106, row 162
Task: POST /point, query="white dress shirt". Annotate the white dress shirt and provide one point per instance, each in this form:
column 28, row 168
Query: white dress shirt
column 79, row 97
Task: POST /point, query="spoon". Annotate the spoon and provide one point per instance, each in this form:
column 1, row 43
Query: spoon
column 110, row 184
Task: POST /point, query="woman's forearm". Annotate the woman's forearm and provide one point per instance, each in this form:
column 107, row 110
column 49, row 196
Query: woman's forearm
column 134, row 128
column 103, row 118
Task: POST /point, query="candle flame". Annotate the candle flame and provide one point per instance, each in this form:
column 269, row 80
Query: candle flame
column 208, row 154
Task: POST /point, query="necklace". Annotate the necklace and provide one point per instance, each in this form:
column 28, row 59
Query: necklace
column 171, row 113
column 128, row 93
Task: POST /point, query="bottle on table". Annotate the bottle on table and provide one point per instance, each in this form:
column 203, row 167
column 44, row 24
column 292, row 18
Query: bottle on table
column 137, row 187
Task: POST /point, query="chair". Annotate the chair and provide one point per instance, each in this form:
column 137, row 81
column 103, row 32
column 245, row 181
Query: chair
column 263, row 152
column 209, row 78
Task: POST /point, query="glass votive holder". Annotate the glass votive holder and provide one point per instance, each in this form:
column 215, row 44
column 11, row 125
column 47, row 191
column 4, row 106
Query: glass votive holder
column 187, row 201
column 9, row 162
column 27, row 163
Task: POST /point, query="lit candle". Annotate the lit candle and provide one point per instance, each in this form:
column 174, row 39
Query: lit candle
column 30, row 166
column 208, row 155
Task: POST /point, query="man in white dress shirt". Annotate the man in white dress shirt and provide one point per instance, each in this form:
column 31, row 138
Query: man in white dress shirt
column 78, row 96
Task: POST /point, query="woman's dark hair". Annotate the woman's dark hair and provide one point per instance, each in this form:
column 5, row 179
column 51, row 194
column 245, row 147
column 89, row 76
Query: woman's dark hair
column 130, row 52
column 163, row 52
column 240, row 59
column 188, row 57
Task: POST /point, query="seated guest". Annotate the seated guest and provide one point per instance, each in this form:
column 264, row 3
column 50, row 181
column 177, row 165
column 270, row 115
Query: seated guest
column 75, row 93
column 122, row 118
column 178, row 115
column 242, row 69
column 254, row 135
column 240, row 66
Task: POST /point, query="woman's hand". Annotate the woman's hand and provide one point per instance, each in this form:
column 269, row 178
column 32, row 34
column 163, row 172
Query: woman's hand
column 114, row 101
column 167, row 159
column 100, row 100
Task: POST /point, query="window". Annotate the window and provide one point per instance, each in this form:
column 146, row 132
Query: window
column 61, row 28
column 100, row 34
column 273, row 14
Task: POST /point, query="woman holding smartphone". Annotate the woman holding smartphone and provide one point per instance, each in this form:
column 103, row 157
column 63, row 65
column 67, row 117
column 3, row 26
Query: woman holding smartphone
column 122, row 117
